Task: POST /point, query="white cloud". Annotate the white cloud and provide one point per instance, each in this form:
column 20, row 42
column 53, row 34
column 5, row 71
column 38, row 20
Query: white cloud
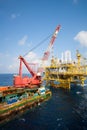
column 9, row 64
column 32, row 57
column 82, row 38
column 23, row 40
column 4, row 55
column 14, row 66
column 75, row 1
column 1, row 65
column 14, row 16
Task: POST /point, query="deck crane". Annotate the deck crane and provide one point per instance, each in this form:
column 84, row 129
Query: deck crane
column 35, row 80
column 30, row 82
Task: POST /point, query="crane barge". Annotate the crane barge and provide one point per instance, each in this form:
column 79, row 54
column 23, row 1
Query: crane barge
column 23, row 95
column 36, row 79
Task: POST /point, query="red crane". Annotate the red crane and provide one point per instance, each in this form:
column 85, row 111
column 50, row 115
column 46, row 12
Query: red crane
column 47, row 53
column 31, row 82
column 35, row 80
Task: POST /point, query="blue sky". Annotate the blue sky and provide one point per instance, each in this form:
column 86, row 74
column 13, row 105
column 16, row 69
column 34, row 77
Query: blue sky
column 25, row 23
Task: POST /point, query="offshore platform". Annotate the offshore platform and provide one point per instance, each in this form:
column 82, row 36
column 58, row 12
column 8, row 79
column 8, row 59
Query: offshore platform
column 63, row 74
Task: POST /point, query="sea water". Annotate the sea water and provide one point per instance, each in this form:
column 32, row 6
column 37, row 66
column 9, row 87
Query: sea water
column 65, row 110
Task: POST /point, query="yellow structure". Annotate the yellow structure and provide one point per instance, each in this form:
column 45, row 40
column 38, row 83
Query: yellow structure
column 63, row 74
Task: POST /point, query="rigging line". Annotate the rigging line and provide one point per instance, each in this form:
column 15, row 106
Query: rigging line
column 40, row 43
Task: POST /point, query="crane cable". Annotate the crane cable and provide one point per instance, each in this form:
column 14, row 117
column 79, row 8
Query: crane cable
column 40, row 43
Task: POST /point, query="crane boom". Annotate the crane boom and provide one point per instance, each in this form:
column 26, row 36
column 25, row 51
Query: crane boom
column 35, row 80
column 27, row 66
column 47, row 53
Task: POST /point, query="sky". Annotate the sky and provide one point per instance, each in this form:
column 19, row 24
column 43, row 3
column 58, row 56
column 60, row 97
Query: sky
column 26, row 23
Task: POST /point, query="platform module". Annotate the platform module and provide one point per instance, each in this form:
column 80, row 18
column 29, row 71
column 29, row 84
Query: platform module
column 63, row 74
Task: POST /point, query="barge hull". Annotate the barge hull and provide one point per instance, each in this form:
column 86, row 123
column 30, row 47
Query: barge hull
column 15, row 109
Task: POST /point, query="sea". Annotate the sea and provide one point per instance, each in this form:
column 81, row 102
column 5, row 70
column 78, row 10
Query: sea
column 65, row 110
